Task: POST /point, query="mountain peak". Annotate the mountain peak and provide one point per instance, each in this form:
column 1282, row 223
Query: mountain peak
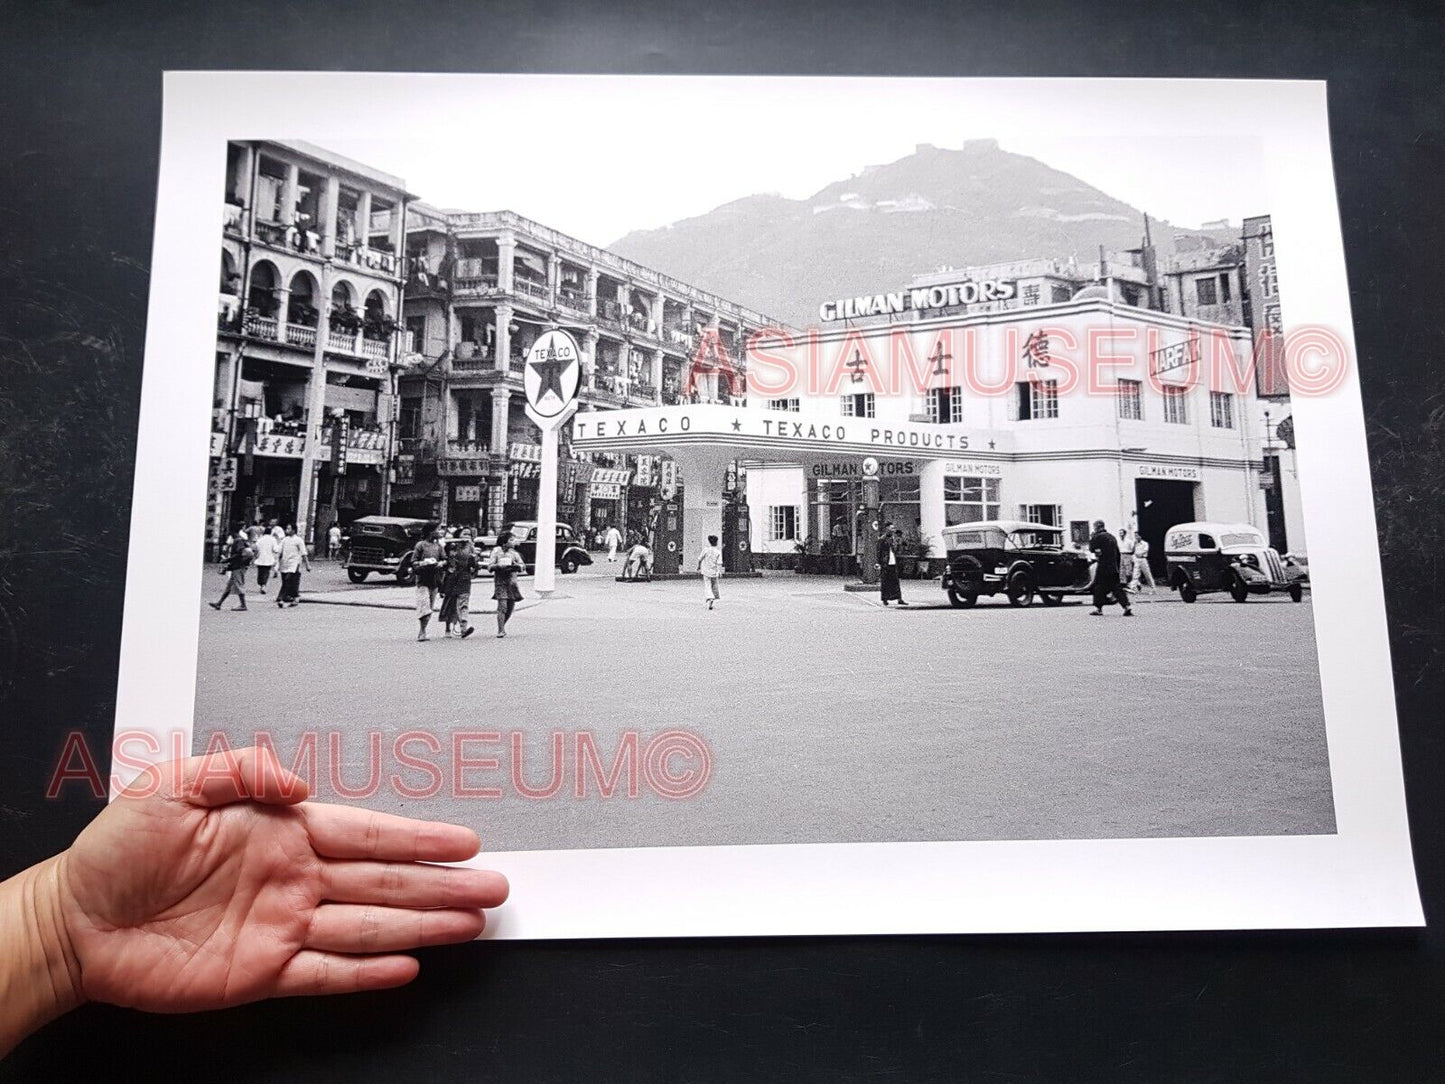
column 885, row 224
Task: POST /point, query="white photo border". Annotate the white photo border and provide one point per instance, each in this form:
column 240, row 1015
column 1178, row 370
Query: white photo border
column 1362, row 875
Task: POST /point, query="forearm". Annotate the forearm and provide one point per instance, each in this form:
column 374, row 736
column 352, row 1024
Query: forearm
column 39, row 974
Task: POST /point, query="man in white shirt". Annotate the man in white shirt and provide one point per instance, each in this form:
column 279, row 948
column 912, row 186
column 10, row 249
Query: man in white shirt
column 613, row 540
column 709, row 563
column 267, row 551
column 333, row 540
column 1141, row 564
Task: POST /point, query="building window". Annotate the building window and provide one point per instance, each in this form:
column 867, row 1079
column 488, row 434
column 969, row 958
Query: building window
column 784, row 404
column 1205, row 292
column 408, row 419
column 1037, row 399
column 969, row 499
column 1060, row 294
column 1131, row 401
column 1051, row 515
column 857, row 406
column 945, row 405
column 1266, row 244
column 783, row 523
column 1176, row 404
column 1221, row 410
column 1224, row 288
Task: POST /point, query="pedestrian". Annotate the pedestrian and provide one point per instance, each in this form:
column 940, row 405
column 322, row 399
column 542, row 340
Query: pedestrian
column 1126, row 557
column 234, row 569
column 889, row 587
column 1142, row 571
column 426, row 562
column 277, row 531
column 456, row 585
column 1107, row 583
column 333, row 540
column 289, row 561
column 267, row 550
column 613, row 538
column 639, row 557
column 709, row 563
column 506, row 565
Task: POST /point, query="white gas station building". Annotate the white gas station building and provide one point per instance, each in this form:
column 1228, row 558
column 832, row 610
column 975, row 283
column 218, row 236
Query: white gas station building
column 1061, row 414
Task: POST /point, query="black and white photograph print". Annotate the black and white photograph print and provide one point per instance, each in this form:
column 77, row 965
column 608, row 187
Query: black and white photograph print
column 675, row 464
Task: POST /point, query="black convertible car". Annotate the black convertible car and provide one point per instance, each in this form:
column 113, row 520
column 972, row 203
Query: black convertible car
column 1017, row 559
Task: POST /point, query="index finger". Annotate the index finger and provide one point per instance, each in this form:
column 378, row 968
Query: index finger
column 344, row 832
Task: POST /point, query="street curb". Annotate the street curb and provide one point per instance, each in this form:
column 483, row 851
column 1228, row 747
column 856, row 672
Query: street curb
column 403, row 606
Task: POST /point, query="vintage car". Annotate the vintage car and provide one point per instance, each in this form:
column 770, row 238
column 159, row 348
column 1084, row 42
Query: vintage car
column 384, row 544
column 1231, row 557
column 1021, row 560
column 571, row 554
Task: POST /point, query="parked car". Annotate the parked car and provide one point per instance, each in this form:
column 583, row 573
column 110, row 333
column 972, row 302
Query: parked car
column 571, row 554
column 1233, row 557
column 383, row 544
column 1020, row 560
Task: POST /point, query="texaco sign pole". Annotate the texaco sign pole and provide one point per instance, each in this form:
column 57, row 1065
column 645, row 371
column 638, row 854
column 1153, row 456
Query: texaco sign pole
column 551, row 377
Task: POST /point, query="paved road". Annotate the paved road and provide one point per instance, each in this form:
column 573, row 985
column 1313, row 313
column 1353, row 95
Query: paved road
column 828, row 718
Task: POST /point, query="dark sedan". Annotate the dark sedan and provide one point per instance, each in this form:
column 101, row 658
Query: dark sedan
column 571, row 554
column 1016, row 559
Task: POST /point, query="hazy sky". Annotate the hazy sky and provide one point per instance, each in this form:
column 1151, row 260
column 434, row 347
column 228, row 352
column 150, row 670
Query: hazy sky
column 597, row 157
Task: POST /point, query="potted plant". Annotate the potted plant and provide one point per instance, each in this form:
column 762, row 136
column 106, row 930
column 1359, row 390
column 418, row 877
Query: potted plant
column 346, row 319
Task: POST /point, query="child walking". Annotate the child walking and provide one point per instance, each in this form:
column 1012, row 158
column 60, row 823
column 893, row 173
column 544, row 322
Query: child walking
column 709, row 563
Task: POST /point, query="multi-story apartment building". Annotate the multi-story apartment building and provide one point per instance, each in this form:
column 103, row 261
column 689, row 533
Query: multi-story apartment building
column 481, row 288
column 308, row 342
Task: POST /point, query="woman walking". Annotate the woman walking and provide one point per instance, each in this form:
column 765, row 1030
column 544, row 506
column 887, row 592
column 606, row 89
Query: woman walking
column 506, row 565
column 238, row 556
column 289, row 561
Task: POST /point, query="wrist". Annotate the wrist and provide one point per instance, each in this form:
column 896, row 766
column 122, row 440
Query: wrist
column 40, row 975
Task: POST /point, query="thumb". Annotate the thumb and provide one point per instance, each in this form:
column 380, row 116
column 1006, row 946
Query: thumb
column 236, row 775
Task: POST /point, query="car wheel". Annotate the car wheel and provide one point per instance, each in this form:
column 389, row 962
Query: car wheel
column 1052, row 598
column 1020, row 589
column 1238, row 591
column 404, row 574
column 962, row 600
column 1296, row 593
column 1187, row 593
column 357, row 575
column 569, row 565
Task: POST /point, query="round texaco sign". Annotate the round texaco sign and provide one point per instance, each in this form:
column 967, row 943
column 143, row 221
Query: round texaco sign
column 552, row 373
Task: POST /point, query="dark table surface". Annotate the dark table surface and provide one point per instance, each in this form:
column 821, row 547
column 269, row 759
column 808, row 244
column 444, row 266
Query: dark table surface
column 80, row 123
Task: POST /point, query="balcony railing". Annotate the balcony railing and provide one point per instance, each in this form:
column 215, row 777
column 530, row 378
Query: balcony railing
column 271, row 233
column 575, row 302
column 376, row 349
column 468, row 449
column 517, row 363
column 472, row 355
column 530, row 287
column 259, row 327
column 678, row 337
column 301, row 335
column 375, row 259
column 343, row 342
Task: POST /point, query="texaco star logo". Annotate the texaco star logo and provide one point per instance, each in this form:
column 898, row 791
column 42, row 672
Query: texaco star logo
column 552, row 374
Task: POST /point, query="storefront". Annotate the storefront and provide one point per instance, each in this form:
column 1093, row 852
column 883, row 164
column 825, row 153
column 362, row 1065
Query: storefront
column 1148, row 450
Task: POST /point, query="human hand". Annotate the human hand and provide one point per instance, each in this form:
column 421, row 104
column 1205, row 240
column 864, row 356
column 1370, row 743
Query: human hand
column 209, row 883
